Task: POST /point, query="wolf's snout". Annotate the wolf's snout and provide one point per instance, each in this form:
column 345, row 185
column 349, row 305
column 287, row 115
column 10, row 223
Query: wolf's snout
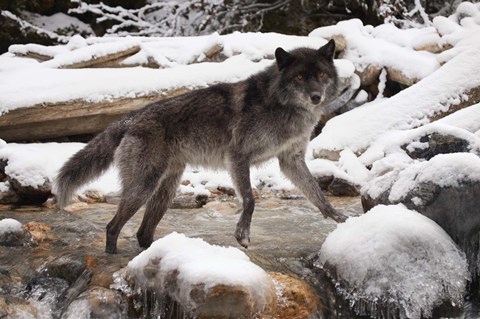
column 316, row 98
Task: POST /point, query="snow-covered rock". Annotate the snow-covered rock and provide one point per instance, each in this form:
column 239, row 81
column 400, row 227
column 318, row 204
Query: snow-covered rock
column 206, row 280
column 445, row 189
column 395, row 258
column 12, row 234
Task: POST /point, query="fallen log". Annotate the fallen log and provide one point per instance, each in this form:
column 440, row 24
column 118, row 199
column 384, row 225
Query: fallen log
column 71, row 117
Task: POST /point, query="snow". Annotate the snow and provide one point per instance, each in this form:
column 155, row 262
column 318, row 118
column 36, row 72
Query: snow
column 10, row 225
column 445, row 170
column 414, row 106
column 397, row 255
column 247, row 53
column 198, row 262
column 58, row 21
column 384, row 46
column 410, row 108
column 89, row 52
column 37, row 164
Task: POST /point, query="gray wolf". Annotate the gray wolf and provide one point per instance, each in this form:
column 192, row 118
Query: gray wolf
column 225, row 126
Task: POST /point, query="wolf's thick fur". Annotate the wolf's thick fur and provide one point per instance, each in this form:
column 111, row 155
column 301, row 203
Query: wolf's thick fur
column 232, row 126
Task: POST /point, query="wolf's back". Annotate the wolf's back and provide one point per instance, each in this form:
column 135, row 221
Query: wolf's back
column 88, row 163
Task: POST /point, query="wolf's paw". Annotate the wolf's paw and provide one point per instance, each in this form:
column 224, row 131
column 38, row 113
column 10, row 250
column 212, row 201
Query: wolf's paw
column 144, row 241
column 109, row 249
column 339, row 218
column 243, row 236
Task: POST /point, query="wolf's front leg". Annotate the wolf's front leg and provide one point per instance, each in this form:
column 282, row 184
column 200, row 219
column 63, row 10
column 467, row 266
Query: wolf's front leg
column 240, row 172
column 294, row 167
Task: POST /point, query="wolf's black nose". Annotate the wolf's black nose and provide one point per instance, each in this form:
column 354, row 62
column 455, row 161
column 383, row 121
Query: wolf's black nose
column 316, row 98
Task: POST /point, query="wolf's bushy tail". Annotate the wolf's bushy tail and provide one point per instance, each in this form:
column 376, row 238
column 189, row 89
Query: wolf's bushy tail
column 88, row 163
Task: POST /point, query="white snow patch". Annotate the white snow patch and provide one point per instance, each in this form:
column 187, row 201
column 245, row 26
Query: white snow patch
column 10, row 225
column 198, row 262
column 35, row 164
column 4, row 186
column 396, row 255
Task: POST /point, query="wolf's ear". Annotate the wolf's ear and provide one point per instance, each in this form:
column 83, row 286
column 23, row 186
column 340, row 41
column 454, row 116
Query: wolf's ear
column 328, row 50
column 283, row 58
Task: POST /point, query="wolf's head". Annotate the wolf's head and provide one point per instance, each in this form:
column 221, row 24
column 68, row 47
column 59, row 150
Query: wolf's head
column 307, row 76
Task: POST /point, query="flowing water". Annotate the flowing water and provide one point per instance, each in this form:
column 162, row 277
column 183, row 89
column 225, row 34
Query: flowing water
column 50, row 280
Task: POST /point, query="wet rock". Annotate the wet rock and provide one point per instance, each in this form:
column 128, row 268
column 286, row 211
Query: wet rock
column 99, row 303
column 337, row 186
column 295, row 298
column 65, row 267
column 9, row 197
column 30, row 194
column 8, row 283
column 342, row 187
column 45, row 289
column 16, row 308
column 12, row 234
column 91, row 197
column 75, row 207
column 436, row 143
column 40, row 231
column 189, row 201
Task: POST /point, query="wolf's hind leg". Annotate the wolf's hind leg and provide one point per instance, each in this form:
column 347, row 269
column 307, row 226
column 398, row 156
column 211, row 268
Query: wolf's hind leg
column 158, row 204
column 293, row 165
column 140, row 178
column 240, row 173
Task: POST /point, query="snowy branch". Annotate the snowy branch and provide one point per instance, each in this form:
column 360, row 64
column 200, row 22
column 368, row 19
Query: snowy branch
column 181, row 18
column 25, row 25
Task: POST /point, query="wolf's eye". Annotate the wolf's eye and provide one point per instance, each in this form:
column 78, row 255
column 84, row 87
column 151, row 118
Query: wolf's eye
column 299, row 77
column 321, row 75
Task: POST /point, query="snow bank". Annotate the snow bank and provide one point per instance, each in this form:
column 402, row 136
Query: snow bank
column 396, row 256
column 10, row 225
column 195, row 263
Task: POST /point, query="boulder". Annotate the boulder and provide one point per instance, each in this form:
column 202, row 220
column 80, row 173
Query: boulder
column 445, row 189
column 395, row 260
column 202, row 280
column 30, row 194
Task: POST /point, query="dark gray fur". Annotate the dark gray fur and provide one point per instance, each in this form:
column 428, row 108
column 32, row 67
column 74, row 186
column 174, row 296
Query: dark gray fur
column 232, row 126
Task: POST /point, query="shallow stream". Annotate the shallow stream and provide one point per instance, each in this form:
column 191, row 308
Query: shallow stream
column 286, row 234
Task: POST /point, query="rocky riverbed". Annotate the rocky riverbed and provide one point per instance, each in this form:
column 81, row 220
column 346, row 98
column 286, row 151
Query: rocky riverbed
column 65, row 262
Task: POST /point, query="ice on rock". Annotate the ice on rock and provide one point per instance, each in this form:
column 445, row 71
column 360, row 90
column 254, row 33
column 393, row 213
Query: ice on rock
column 177, row 265
column 395, row 256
